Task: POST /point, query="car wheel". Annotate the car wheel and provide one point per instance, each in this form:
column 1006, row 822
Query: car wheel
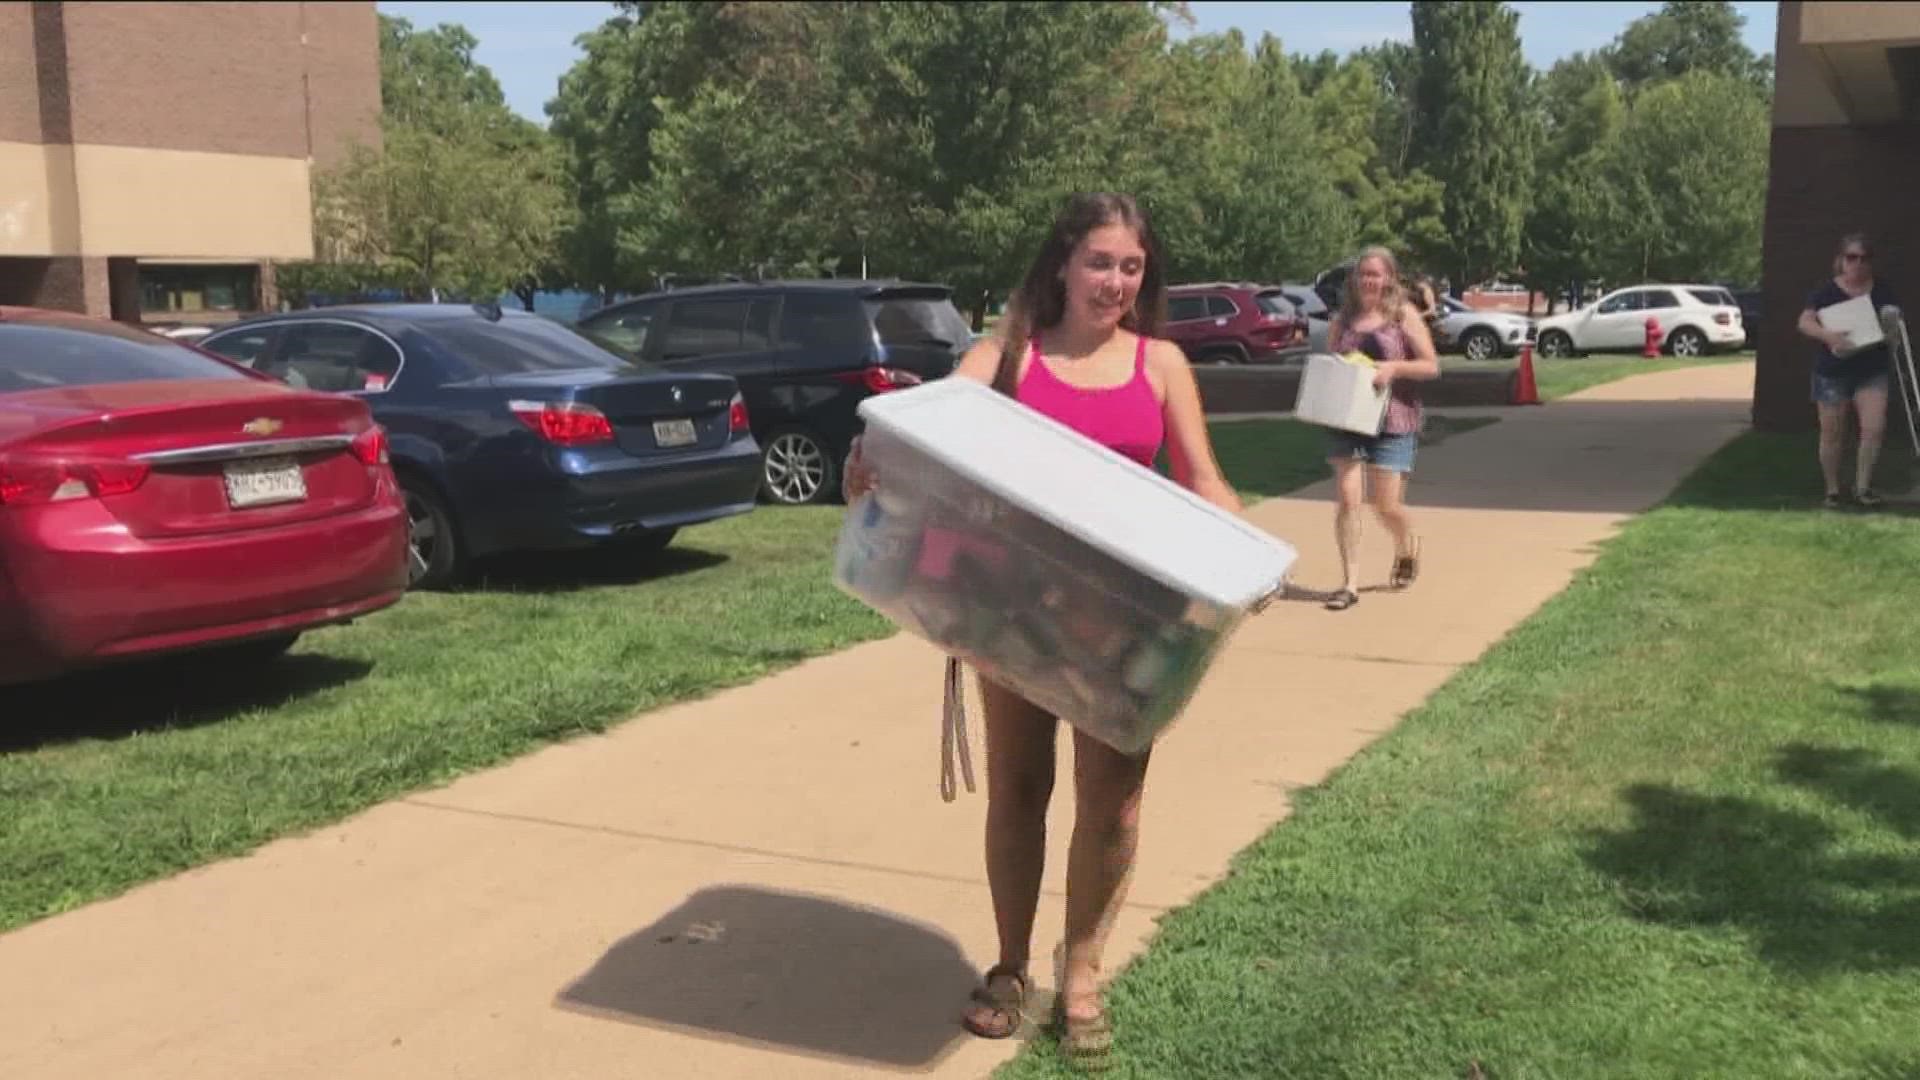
column 1556, row 345
column 796, row 469
column 1480, row 343
column 1687, row 341
column 433, row 547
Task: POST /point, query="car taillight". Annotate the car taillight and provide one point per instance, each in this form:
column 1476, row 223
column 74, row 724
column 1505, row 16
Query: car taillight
column 370, row 446
column 564, row 423
column 26, row 483
column 737, row 415
column 882, row 379
column 1722, row 319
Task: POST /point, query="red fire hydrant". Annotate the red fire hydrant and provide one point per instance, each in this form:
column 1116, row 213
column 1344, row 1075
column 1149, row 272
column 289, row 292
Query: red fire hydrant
column 1651, row 349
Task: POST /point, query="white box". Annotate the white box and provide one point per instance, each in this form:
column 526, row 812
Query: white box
column 1097, row 589
column 1336, row 394
column 1858, row 319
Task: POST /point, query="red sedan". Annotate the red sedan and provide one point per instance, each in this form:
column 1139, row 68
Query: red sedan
column 154, row 499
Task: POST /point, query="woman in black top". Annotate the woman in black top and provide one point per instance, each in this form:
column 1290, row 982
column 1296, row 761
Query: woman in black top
column 1840, row 380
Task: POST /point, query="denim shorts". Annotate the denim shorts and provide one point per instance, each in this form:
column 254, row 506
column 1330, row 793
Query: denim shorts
column 1838, row 389
column 1393, row 453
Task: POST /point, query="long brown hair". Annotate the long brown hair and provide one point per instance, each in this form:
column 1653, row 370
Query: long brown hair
column 1393, row 296
column 1041, row 300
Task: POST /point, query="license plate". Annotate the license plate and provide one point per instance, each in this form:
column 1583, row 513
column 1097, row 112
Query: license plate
column 263, row 483
column 675, row 433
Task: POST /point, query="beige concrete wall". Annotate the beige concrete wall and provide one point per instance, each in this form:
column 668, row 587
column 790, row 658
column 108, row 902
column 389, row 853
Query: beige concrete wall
column 1802, row 88
column 1882, row 23
column 37, row 200
column 124, row 200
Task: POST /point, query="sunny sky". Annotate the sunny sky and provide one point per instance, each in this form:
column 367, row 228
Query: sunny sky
column 529, row 45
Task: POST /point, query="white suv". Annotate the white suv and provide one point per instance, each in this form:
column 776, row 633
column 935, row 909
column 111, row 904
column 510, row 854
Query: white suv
column 1694, row 320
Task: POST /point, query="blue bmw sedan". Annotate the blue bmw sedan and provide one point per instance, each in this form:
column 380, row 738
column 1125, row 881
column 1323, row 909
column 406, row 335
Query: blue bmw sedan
column 511, row 432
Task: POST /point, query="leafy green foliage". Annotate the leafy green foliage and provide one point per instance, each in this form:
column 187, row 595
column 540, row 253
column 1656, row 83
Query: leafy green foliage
column 1476, row 134
column 1684, row 37
column 462, row 196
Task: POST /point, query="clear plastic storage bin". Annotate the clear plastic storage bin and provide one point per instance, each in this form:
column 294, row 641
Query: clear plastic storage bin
column 1095, row 588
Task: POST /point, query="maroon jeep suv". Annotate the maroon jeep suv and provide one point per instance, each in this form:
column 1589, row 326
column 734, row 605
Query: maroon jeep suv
column 1233, row 323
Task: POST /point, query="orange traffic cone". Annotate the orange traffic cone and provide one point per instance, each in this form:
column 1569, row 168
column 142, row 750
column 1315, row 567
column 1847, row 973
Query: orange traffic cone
column 1524, row 390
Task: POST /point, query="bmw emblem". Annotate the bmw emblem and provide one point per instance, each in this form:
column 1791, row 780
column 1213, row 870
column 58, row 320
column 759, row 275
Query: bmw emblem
column 679, row 395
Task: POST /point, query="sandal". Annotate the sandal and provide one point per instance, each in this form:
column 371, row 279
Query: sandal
column 998, row 1013
column 1834, row 500
column 1406, row 568
column 1085, row 1044
column 1868, row 498
column 1342, row 600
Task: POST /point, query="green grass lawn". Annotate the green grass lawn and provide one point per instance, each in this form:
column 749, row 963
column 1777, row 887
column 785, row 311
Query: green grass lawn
column 1667, row 828
column 111, row 780
column 1558, row 378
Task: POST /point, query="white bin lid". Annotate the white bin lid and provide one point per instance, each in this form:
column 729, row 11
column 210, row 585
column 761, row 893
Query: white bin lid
column 1131, row 513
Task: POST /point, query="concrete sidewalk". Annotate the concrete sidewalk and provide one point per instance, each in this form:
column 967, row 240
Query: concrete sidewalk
column 766, row 883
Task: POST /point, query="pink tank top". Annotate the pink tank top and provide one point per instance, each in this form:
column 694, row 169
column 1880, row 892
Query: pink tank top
column 1126, row 419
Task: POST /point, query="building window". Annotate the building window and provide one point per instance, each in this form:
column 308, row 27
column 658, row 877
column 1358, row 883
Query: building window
column 185, row 290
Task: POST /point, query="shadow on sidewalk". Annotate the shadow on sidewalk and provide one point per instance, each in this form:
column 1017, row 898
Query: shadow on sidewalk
column 805, row 974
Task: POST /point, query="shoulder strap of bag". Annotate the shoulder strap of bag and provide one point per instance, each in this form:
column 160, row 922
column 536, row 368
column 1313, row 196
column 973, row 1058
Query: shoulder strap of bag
column 953, row 711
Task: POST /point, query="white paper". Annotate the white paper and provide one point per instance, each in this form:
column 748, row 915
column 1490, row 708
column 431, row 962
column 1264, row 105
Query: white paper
column 1858, row 319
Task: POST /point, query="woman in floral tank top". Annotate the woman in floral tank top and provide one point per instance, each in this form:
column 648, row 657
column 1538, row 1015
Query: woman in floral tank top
column 1375, row 318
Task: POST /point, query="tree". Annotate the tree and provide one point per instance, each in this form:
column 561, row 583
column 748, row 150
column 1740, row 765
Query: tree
column 647, row 61
column 596, row 105
column 431, row 214
column 463, row 196
column 1690, row 177
column 1573, row 210
column 1233, row 173
column 1398, row 67
column 935, row 135
column 1684, row 37
column 1475, row 131
column 429, row 78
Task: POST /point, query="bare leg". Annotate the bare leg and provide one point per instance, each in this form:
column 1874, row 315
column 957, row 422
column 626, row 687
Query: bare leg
column 1833, row 432
column 1106, row 834
column 1349, row 480
column 1389, row 502
column 1020, row 767
column 1871, row 406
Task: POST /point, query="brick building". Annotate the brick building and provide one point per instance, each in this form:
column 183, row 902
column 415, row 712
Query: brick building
column 1845, row 157
column 153, row 157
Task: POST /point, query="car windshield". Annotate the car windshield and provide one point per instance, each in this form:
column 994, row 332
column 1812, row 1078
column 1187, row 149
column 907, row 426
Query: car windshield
column 918, row 320
column 75, row 352
column 528, row 344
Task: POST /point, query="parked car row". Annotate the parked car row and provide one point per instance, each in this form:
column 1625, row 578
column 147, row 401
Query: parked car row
column 303, row 469
column 1233, row 323
column 156, row 499
column 1693, row 320
column 805, row 354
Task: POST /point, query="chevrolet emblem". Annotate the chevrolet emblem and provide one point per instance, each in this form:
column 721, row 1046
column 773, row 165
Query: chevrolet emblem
column 264, row 426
